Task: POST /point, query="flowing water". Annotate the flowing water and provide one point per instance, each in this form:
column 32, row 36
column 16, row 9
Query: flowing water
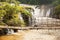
column 41, row 34
column 40, row 13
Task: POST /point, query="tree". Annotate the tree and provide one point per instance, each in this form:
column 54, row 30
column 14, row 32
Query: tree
column 10, row 15
column 56, row 13
column 56, row 2
column 16, row 2
column 36, row 2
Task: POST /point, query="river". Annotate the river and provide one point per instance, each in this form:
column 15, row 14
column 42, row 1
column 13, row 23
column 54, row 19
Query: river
column 41, row 34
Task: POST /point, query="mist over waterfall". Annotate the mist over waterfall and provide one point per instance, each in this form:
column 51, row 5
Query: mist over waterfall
column 40, row 12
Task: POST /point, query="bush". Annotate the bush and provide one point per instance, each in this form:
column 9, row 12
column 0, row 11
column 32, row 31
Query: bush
column 57, row 11
column 10, row 15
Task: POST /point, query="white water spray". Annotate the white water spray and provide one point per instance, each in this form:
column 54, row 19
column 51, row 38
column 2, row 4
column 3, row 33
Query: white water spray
column 39, row 14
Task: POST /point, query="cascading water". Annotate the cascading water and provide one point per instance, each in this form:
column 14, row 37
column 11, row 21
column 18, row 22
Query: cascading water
column 40, row 13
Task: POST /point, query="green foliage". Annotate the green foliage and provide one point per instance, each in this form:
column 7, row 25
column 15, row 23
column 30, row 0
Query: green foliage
column 25, row 14
column 56, row 2
column 2, row 13
column 24, row 11
column 57, row 12
column 36, row 2
column 10, row 15
column 57, row 9
column 2, row 23
column 16, row 2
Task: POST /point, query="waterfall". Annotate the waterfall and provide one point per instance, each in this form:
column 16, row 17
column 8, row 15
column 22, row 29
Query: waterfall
column 48, row 13
column 40, row 13
column 20, row 17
